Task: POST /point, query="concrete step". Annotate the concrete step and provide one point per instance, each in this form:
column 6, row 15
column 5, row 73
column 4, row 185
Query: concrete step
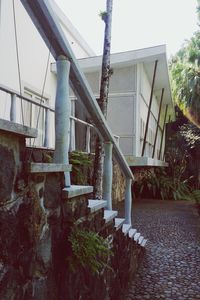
column 141, row 238
column 109, row 215
column 136, row 237
column 119, row 223
column 95, row 205
column 47, row 167
column 132, row 232
column 76, row 190
column 126, row 228
column 143, row 244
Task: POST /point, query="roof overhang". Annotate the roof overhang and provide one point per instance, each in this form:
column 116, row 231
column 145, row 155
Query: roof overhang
column 147, row 57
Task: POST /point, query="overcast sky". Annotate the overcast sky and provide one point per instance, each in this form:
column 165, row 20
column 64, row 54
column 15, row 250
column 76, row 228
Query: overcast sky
column 136, row 23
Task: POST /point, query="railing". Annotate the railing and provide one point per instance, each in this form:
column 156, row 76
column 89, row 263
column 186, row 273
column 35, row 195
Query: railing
column 13, row 116
column 68, row 70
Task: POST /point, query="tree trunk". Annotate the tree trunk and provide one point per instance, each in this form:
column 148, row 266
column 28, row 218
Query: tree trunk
column 103, row 100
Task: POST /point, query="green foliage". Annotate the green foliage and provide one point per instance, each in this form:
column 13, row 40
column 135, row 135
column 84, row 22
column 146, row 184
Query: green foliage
column 80, row 163
column 185, row 78
column 168, row 183
column 103, row 15
column 90, row 251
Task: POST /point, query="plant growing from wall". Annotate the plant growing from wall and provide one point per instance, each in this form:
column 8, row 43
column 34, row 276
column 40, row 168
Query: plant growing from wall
column 80, row 163
column 90, row 251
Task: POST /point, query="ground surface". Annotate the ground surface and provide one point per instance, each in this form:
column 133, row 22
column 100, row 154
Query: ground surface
column 171, row 267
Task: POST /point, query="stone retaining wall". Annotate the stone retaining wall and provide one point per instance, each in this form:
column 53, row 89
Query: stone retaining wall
column 35, row 222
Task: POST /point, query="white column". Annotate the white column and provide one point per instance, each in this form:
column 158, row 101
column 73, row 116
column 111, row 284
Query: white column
column 13, row 108
column 128, row 201
column 47, row 128
column 62, row 114
column 88, row 131
column 72, row 146
column 108, row 174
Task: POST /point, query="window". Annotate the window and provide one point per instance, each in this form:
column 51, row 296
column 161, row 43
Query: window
column 34, row 115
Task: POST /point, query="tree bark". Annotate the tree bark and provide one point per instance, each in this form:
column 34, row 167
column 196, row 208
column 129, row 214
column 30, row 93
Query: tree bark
column 103, row 100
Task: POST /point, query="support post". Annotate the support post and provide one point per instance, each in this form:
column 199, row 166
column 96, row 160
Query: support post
column 128, row 201
column 88, row 132
column 162, row 136
column 158, row 121
column 149, row 108
column 62, row 114
column 13, row 108
column 47, row 128
column 72, row 146
column 108, row 174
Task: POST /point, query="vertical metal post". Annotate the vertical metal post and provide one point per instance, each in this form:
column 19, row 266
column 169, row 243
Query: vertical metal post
column 88, row 133
column 158, row 121
column 161, row 142
column 72, row 146
column 62, row 114
column 108, row 174
column 128, row 201
column 47, row 128
column 149, row 108
column 13, row 117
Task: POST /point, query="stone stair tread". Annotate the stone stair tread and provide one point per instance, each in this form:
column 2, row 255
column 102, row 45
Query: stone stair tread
column 19, row 129
column 109, row 215
column 33, row 167
column 140, row 240
column 119, row 222
column 76, row 190
column 136, row 236
column 132, row 232
column 126, row 228
column 95, row 205
column 143, row 244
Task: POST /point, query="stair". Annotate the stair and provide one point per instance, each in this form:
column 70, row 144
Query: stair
column 126, row 228
column 95, row 205
column 132, row 232
column 119, row 223
column 109, row 215
column 136, row 237
column 143, row 244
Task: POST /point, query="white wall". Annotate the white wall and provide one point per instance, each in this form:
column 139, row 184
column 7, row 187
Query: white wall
column 33, row 57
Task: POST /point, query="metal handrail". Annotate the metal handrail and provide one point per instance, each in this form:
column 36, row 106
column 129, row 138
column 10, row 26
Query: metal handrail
column 49, row 27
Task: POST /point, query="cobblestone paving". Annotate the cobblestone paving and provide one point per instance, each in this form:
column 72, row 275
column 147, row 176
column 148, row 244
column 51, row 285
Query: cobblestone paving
column 171, row 266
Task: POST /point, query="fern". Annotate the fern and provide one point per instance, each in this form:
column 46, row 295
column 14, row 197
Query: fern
column 90, row 251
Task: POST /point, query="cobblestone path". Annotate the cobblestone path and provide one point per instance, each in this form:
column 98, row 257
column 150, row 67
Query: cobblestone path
column 171, row 266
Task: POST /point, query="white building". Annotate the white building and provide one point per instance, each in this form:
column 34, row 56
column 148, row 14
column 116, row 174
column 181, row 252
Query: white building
column 28, row 78
column 129, row 97
column 130, row 85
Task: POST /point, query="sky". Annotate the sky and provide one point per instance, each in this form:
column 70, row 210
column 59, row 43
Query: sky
column 135, row 23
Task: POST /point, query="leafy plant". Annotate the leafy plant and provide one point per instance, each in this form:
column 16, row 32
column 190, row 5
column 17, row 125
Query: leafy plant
column 89, row 251
column 80, row 162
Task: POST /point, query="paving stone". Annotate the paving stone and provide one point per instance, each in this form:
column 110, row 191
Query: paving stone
column 171, row 267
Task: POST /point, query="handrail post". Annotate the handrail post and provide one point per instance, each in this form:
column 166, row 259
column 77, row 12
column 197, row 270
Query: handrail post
column 128, row 201
column 72, row 144
column 88, row 133
column 13, row 108
column 47, row 128
column 62, row 114
column 108, row 174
